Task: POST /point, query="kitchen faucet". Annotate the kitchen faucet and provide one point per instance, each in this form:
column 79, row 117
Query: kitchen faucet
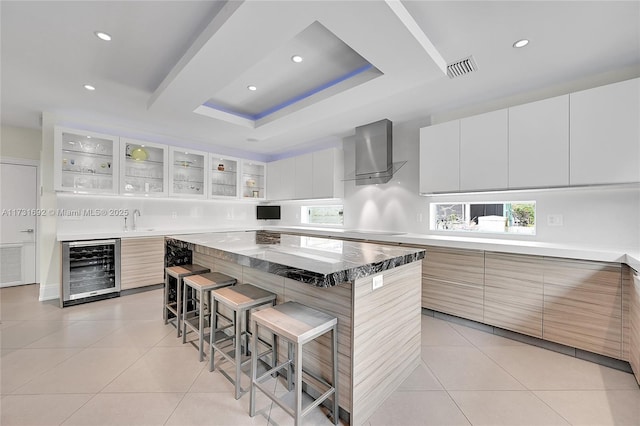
column 135, row 212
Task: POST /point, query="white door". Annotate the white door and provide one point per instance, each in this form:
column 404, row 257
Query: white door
column 19, row 208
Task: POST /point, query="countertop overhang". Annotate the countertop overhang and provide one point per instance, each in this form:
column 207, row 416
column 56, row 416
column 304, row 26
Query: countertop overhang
column 322, row 262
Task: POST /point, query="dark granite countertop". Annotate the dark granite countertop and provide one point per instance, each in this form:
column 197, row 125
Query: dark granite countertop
column 322, row 262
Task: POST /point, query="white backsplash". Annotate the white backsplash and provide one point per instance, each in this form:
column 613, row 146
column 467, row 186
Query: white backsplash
column 155, row 213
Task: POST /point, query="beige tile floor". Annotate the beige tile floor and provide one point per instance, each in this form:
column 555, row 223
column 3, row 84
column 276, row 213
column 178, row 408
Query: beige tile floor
column 114, row 362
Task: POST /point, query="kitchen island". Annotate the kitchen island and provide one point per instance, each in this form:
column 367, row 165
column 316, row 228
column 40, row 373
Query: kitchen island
column 378, row 328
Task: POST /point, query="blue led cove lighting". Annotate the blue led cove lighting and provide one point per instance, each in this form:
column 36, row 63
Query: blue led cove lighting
column 293, row 100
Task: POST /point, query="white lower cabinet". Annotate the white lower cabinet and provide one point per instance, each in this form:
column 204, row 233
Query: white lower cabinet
column 605, row 134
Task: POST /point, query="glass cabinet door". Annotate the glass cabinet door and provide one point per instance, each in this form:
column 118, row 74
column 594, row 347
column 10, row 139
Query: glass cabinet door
column 144, row 168
column 253, row 179
column 187, row 173
column 85, row 161
column 223, row 174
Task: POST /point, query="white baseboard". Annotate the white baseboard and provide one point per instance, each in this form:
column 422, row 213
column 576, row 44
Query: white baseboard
column 49, row 291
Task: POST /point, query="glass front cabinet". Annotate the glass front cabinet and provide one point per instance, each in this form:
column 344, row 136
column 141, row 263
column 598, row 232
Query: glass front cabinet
column 187, row 173
column 93, row 163
column 144, row 168
column 223, row 172
column 253, row 179
column 85, row 161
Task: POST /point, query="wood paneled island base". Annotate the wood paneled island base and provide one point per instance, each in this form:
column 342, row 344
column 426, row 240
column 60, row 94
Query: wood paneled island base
column 378, row 330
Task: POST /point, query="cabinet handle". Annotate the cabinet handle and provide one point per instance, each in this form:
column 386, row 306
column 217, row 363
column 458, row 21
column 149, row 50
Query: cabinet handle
column 30, row 230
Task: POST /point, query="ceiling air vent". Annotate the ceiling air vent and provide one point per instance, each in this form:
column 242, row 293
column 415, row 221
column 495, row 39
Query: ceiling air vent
column 461, row 67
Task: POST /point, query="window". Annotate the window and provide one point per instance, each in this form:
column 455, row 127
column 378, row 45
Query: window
column 322, row 215
column 498, row 217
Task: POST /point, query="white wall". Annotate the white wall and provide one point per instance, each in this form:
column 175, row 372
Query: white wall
column 394, row 206
column 18, row 142
column 48, row 247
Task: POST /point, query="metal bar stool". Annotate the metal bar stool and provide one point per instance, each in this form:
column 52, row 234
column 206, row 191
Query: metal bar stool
column 240, row 300
column 202, row 286
column 297, row 324
column 175, row 306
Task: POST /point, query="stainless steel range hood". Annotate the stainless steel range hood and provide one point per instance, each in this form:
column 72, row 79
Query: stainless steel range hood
column 374, row 153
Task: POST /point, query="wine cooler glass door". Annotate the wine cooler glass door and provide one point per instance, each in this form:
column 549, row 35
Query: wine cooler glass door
column 91, row 269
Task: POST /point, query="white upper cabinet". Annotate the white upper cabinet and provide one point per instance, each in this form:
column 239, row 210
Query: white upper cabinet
column 85, row 161
column 605, row 134
column 439, row 158
column 484, row 151
column 316, row 175
column 280, row 179
column 253, row 180
column 304, row 177
column 223, row 176
column 187, row 173
column 539, row 144
column 328, row 173
column 144, row 168
column 273, row 180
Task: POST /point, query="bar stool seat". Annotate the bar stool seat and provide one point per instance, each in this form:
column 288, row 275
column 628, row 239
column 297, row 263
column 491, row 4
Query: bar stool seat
column 178, row 273
column 202, row 285
column 240, row 300
column 297, row 324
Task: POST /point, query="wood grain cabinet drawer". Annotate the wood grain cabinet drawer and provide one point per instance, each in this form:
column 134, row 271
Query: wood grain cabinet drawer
column 453, row 282
column 142, row 262
column 634, row 325
column 583, row 305
column 513, row 292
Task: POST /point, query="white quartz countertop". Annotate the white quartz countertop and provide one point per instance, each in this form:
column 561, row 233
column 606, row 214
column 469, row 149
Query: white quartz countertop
column 143, row 232
column 605, row 254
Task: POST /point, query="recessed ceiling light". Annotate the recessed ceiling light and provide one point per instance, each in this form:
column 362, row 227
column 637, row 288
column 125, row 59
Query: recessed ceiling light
column 521, row 43
column 89, row 87
column 297, row 59
column 103, row 36
column 252, row 88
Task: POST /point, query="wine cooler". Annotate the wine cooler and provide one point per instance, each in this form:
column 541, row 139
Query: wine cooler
column 90, row 271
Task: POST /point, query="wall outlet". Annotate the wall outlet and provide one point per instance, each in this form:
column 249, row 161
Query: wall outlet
column 377, row 282
column 419, row 217
column 554, row 220
column 174, row 215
